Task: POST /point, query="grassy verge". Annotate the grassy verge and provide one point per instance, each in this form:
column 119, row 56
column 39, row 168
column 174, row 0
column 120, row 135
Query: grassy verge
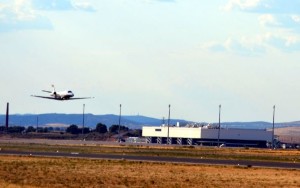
column 62, row 172
column 174, row 151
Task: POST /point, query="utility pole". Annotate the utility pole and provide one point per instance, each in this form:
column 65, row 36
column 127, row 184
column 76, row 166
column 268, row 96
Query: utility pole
column 37, row 123
column 169, row 124
column 83, row 119
column 219, row 126
column 7, row 117
column 119, row 138
column 273, row 145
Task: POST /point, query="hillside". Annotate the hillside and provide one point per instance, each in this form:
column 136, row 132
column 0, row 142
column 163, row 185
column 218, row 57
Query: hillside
column 91, row 120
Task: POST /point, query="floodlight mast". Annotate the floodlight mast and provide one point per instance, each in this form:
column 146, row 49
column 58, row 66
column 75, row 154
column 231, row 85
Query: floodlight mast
column 37, row 123
column 219, row 126
column 119, row 122
column 273, row 145
column 169, row 126
column 7, row 117
column 83, row 119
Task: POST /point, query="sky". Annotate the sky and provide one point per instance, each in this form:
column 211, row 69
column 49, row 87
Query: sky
column 146, row 54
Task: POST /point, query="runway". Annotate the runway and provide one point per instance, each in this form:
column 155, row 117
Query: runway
column 242, row 163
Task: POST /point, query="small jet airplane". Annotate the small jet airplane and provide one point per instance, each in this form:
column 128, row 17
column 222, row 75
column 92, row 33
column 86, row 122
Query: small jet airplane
column 61, row 95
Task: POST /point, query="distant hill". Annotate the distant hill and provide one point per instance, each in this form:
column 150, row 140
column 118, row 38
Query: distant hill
column 90, row 120
column 133, row 122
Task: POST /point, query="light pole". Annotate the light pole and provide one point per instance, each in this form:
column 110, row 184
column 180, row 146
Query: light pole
column 169, row 124
column 273, row 127
column 7, row 118
column 83, row 119
column 37, row 123
column 119, row 122
column 219, row 126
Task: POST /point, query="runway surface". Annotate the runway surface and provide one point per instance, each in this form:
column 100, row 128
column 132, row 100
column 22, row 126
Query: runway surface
column 158, row 159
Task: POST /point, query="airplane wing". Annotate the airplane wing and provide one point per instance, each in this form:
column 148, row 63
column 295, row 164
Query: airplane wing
column 74, row 98
column 46, row 97
column 61, row 99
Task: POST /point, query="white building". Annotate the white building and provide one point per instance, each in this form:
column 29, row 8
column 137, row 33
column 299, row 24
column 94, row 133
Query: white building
column 207, row 136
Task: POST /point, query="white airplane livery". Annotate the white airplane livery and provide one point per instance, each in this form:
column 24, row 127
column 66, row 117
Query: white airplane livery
column 61, row 95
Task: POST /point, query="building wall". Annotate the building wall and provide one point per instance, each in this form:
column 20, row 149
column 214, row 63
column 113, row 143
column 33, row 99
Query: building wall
column 203, row 133
column 174, row 132
column 237, row 134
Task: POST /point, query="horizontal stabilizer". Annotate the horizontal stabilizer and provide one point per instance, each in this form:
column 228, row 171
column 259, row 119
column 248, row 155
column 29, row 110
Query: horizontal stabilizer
column 47, row 91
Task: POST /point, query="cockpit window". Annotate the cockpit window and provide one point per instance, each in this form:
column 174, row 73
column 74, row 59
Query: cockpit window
column 69, row 91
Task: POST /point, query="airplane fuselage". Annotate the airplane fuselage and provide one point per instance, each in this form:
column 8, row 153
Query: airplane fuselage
column 62, row 95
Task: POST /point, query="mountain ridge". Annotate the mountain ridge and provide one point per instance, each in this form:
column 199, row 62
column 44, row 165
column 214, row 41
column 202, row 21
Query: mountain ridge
column 133, row 122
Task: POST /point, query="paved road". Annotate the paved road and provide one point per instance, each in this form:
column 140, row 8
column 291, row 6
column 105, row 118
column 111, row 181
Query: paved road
column 159, row 159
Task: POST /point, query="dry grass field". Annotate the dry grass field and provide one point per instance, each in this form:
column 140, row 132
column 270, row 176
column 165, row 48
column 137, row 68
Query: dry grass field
column 174, row 151
column 32, row 172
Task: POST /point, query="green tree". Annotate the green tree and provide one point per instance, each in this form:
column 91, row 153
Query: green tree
column 2, row 128
column 16, row 129
column 73, row 129
column 85, row 130
column 30, row 129
column 101, row 128
column 115, row 128
column 45, row 129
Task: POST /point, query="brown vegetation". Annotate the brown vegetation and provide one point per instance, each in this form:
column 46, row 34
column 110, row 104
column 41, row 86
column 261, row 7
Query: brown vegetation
column 61, row 172
column 156, row 150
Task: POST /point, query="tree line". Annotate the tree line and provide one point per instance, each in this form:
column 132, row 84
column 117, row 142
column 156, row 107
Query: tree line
column 21, row 129
column 100, row 128
column 72, row 129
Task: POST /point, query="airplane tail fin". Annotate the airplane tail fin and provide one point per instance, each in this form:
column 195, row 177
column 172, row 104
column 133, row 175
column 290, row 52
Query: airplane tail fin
column 53, row 88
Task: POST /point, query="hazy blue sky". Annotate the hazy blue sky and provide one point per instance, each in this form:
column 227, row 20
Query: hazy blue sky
column 147, row 54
